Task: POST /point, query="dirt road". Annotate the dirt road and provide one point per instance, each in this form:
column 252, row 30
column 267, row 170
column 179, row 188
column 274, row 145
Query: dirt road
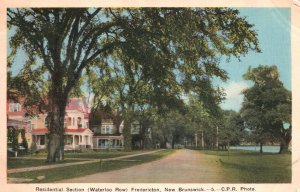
column 183, row 166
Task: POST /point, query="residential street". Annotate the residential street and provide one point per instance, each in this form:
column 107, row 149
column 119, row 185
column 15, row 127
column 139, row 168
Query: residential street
column 183, row 166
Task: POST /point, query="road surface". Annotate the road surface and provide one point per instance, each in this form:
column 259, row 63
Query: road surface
column 183, row 166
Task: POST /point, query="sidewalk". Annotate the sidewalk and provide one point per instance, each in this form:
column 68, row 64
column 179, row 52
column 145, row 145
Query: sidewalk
column 17, row 170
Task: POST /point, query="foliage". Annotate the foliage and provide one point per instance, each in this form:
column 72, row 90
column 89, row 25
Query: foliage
column 170, row 129
column 12, row 137
column 267, row 106
column 233, row 131
column 24, row 140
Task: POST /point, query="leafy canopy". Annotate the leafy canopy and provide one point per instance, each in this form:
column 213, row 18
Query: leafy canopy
column 161, row 51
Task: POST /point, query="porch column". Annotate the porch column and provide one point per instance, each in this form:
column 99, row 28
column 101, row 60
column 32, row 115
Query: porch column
column 73, row 141
column 97, row 142
column 109, row 143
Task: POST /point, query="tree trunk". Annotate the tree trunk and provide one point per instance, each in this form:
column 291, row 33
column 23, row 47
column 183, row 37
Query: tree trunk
column 228, row 145
column 285, row 141
column 163, row 144
column 127, row 133
column 284, row 147
column 54, row 147
column 56, row 128
column 173, row 144
column 142, row 136
column 260, row 148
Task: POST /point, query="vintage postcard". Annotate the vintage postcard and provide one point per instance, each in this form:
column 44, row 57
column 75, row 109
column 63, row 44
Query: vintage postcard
column 150, row 96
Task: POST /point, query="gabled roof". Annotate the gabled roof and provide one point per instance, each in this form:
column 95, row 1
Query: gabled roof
column 78, row 104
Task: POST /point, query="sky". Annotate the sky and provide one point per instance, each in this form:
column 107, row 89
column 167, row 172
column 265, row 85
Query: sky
column 273, row 28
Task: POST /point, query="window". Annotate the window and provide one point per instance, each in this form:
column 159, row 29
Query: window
column 68, row 140
column 103, row 142
column 103, row 129
column 14, row 107
column 69, row 122
column 106, row 129
column 79, row 122
column 109, row 129
column 42, row 140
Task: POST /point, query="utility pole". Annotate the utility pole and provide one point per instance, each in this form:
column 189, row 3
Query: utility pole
column 217, row 138
column 196, row 140
column 202, row 140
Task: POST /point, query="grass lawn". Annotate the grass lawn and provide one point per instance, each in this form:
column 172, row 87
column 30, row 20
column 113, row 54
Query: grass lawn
column 252, row 167
column 102, row 154
column 13, row 163
column 39, row 159
column 57, row 174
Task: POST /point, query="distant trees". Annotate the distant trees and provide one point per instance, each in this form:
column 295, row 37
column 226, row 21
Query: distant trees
column 266, row 107
column 232, row 130
column 265, row 117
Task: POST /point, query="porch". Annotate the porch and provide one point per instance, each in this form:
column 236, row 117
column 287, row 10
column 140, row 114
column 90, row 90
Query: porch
column 72, row 141
column 108, row 142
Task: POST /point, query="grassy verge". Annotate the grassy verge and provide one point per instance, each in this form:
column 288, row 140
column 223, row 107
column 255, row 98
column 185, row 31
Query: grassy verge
column 57, row 174
column 100, row 154
column 252, row 167
column 33, row 160
column 23, row 163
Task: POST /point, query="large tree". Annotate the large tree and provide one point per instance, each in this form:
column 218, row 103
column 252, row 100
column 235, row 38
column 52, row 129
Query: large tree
column 267, row 106
column 65, row 43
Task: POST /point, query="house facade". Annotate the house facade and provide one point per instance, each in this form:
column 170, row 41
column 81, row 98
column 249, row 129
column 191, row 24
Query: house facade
column 77, row 132
column 108, row 136
column 16, row 118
